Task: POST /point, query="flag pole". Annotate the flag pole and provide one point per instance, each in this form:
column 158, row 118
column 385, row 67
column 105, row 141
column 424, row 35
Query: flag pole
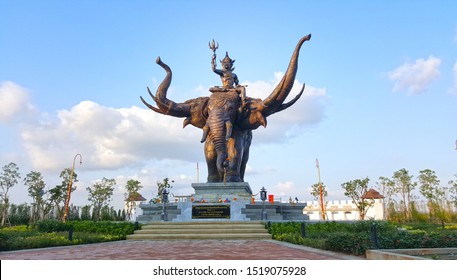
column 321, row 191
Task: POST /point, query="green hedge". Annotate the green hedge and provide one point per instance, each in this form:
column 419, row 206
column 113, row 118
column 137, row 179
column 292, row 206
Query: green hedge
column 355, row 238
column 102, row 227
column 49, row 233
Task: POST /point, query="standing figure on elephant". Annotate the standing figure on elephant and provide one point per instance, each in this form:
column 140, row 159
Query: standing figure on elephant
column 229, row 79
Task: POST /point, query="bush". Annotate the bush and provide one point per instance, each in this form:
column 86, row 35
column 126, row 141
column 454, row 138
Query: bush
column 355, row 238
column 55, row 233
column 121, row 229
column 52, row 226
column 348, row 242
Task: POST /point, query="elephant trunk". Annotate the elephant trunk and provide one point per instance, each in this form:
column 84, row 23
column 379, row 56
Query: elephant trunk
column 220, row 131
column 166, row 106
column 275, row 100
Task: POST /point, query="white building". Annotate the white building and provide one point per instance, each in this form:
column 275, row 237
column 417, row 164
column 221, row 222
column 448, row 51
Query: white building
column 346, row 210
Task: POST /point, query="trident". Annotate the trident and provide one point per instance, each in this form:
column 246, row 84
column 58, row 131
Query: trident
column 213, row 45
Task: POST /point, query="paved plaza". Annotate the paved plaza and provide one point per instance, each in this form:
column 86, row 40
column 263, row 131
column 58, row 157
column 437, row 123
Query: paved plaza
column 179, row 250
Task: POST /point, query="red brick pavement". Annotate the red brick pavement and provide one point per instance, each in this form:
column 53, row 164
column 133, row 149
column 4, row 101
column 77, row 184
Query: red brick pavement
column 178, row 250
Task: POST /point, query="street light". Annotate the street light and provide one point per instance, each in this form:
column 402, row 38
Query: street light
column 164, row 214
column 263, row 197
column 70, row 183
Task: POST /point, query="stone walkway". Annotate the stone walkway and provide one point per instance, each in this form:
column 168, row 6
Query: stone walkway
column 179, row 250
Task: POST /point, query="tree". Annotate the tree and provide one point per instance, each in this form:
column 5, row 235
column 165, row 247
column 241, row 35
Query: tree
column 85, row 213
column 429, row 187
column 58, row 194
column 160, row 187
column 404, row 185
column 387, row 188
column 453, row 190
column 19, row 214
column 316, row 193
column 356, row 190
column 8, row 178
column 100, row 195
column 132, row 187
column 34, row 180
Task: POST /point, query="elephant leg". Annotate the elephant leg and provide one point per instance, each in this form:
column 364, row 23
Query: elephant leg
column 234, row 154
column 247, row 139
column 211, row 161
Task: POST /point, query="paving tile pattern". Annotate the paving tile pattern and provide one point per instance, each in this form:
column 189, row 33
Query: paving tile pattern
column 177, row 250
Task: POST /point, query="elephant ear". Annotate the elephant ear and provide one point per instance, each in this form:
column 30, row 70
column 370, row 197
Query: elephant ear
column 198, row 112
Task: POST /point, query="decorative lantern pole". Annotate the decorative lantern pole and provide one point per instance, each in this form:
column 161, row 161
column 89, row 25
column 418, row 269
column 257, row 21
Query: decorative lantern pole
column 164, row 214
column 263, row 197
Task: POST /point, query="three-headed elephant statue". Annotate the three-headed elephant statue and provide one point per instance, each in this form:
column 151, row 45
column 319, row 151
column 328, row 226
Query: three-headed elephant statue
column 226, row 120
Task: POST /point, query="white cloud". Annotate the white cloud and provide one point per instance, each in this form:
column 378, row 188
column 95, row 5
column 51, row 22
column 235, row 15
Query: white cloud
column 415, row 77
column 112, row 138
column 135, row 142
column 282, row 189
column 108, row 138
column 14, row 101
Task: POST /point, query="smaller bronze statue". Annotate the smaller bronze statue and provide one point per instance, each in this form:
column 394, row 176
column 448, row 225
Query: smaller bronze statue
column 229, row 79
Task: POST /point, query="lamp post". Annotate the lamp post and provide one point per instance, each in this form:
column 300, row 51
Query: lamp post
column 70, row 183
column 164, row 214
column 321, row 191
column 263, row 197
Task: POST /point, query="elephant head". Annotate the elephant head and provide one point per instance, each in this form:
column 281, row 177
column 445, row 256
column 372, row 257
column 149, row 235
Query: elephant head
column 222, row 109
column 227, row 129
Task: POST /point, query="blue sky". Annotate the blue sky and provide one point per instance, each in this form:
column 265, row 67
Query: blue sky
column 381, row 91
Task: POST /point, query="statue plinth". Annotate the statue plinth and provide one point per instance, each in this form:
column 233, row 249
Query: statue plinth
column 219, row 191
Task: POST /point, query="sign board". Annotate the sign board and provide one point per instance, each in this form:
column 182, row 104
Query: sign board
column 211, row 211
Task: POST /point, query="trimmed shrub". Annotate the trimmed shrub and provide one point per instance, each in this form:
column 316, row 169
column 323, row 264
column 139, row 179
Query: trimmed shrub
column 52, row 226
column 355, row 238
column 348, row 242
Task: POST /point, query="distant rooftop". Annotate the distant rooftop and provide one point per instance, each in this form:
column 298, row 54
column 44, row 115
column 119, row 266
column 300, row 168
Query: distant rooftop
column 372, row 194
column 135, row 197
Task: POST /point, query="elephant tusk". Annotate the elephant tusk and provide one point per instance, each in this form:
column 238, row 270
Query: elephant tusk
column 290, row 103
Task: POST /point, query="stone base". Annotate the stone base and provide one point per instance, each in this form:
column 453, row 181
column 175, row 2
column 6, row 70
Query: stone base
column 236, row 213
column 220, row 192
column 221, row 202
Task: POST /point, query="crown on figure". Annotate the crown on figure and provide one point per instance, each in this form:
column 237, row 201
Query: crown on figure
column 227, row 59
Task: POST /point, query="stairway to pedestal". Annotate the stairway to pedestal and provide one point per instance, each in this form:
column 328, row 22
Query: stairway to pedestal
column 201, row 230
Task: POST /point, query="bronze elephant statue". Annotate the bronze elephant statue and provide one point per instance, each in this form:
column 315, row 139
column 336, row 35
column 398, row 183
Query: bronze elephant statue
column 226, row 119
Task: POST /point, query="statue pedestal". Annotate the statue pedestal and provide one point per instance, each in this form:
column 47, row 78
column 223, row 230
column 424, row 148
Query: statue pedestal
column 216, row 202
column 220, row 192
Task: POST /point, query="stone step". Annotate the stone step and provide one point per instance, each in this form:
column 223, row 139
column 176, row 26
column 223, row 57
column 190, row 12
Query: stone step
column 201, row 230
column 221, row 236
column 195, row 225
